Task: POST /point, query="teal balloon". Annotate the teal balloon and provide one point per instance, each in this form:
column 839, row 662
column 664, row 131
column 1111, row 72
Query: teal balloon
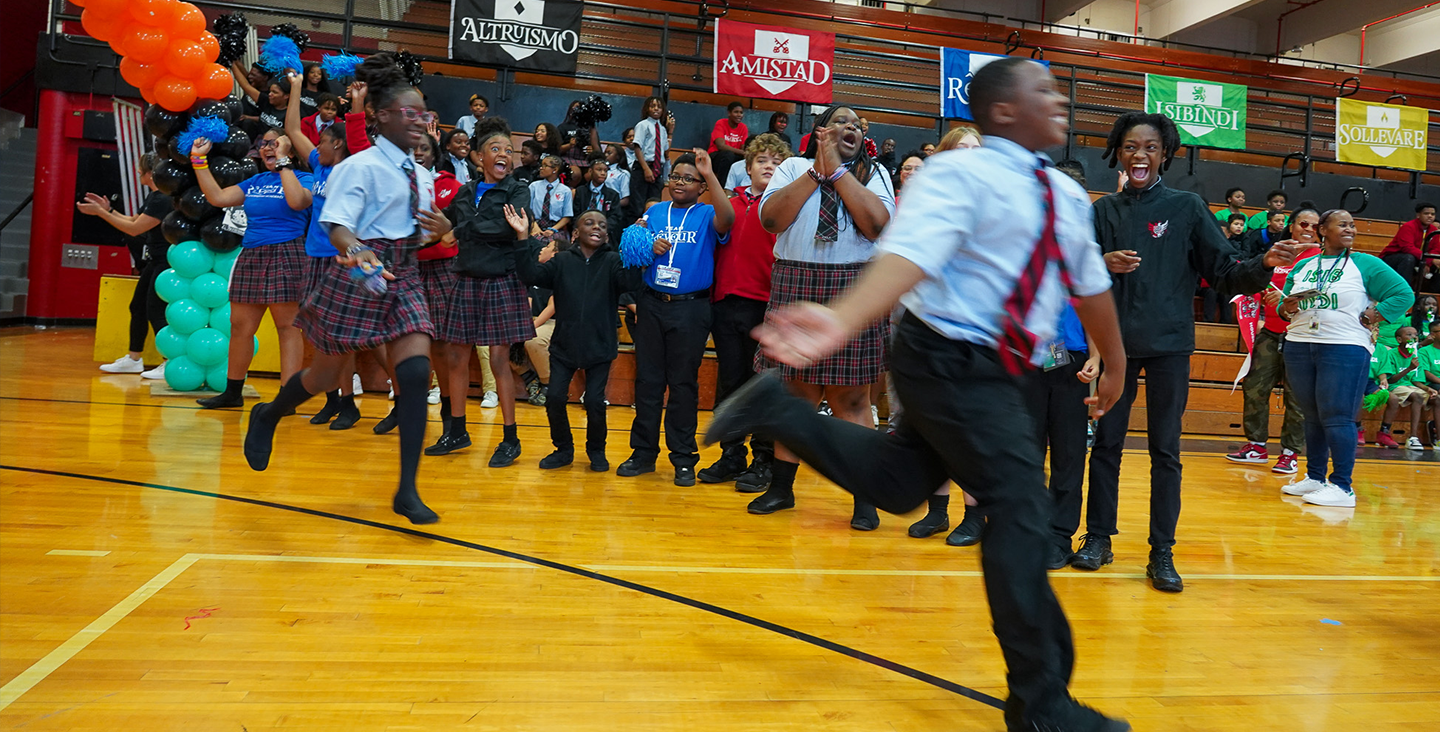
column 207, row 347
column 220, row 319
column 225, row 262
column 182, row 374
column 256, row 347
column 216, row 377
column 171, row 343
column 170, row 286
column 191, row 259
column 210, row 290
column 186, row 316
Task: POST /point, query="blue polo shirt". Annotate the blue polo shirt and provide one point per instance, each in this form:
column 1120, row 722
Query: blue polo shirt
column 1072, row 331
column 317, row 240
column 692, row 237
column 269, row 220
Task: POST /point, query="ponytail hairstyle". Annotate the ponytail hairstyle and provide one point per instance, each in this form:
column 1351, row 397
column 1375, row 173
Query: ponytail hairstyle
column 384, row 80
column 862, row 166
column 1169, row 136
column 487, row 128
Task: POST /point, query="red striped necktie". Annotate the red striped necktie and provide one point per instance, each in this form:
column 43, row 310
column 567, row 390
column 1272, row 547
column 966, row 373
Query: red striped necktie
column 1017, row 343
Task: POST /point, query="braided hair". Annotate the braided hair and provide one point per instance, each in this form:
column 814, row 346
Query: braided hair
column 862, row 166
column 488, row 128
column 1169, row 135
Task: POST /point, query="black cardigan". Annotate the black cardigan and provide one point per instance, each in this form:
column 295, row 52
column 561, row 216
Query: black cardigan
column 487, row 244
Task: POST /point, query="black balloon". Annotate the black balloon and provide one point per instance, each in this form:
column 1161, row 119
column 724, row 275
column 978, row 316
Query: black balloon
column 161, row 122
column 216, row 239
column 227, row 171
column 234, row 146
column 237, row 109
column 249, row 168
column 169, row 148
column 212, row 108
column 177, row 228
column 172, row 178
column 192, row 203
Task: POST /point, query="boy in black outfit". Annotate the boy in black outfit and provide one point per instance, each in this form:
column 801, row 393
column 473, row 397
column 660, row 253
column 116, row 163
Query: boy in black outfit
column 587, row 280
column 594, row 195
column 530, row 154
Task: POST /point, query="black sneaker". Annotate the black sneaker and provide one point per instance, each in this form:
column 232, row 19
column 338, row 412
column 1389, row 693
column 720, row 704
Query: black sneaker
column 684, row 476
column 746, row 408
column 505, row 454
column 1161, row 571
column 1066, row 716
column 933, row 523
column 728, row 467
column 449, row 443
column 754, row 480
column 633, row 467
column 348, row 415
column 222, row 400
column 1059, row 556
column 598, row 462
column 557, row 459
column 1094, row 553
column 391, row 421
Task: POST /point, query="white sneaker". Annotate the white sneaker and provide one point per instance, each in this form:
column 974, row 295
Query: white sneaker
column 1331, row 495
column 156, row 373
column 355, row 385
column 123, row 365
column 1303, row 487
column 491, row 400
column 1414, row 444
column 875, row 415
column 392, row 390
column 434, row 396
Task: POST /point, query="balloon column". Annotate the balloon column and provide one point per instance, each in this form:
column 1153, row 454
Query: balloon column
column 165, row 50
column 197, row 339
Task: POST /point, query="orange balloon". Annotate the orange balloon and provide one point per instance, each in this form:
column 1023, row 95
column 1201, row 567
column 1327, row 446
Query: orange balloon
column 148, row 94
column 174, row 94
column 100, row 25
column 146, row 44
column 188, row 22
column 108, row 7
column 152, row 12
column 215, row 82
column 140, row 75
column 211, row 45
column 185, row 59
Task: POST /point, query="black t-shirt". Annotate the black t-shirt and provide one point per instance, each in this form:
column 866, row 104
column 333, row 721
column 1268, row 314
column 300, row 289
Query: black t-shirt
column 539, row 298
column 270, row 116
column 159, row 205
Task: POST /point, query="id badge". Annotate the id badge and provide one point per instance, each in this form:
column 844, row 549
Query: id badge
column 1314, row 325
column 1056, row 356
column 666, row 276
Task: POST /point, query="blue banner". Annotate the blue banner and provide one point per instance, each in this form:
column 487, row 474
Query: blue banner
column 956, row 69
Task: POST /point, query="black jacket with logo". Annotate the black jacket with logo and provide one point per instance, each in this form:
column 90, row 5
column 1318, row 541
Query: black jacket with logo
column 587, row 296
column 487, row 243
column 1177, row 241
column 609, row 204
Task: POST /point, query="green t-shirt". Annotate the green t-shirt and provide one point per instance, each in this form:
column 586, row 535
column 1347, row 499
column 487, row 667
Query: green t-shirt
column 1386, row 335
column 1430, row 362
column 1223, row 216
column 1259, row 220
column 1398, row 363
column 1380, row 362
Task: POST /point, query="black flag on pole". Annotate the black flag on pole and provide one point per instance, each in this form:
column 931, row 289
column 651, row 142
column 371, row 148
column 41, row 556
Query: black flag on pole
column 527, row 34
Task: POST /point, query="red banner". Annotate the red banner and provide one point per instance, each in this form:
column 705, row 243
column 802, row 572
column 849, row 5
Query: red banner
column 1247, row 315
column 766, row 62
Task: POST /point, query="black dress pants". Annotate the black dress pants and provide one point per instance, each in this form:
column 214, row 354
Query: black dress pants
column 735, row 317
column 669, row 344
column 1056, row 399
column 557, row 397
column 1167, row 388
column 966, row 421
column 147, row 310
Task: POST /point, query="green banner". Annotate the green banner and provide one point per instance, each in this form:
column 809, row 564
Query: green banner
column 1208, row 113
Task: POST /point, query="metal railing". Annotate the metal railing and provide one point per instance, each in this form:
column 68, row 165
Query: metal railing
column 18, row 208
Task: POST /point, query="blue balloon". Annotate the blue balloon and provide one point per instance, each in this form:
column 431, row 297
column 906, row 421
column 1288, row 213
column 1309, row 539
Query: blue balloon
column 182, row 374
column 208, row 347
column 220, row 319
column 186, row 316
column 210, row 290
column 191, row 259
column 171, row 343
column 217, row 376
column 170, row 286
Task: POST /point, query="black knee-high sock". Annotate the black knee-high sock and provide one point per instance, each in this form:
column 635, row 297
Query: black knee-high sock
column 782, row 478
column 973, row 514
column 291, row 395
column 234, row 387
column 411, row 384
column 445, row 412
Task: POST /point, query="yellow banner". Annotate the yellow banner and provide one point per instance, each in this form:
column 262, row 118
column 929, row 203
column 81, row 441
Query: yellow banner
column 1388, row 135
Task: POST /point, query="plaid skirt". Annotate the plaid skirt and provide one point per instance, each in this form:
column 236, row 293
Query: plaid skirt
column 274, row 273
column 316, row 270
column 439, row 282
column 339, row 316
column 487, row 311
column 862, row 361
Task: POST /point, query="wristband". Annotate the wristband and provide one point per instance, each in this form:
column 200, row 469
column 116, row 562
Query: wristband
column 815, row 176
column 838, row 174
column 282, row 163
column 199, row 162
column 356, row 249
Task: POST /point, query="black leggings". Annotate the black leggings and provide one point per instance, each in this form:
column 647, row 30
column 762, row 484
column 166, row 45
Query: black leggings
column 147, row 310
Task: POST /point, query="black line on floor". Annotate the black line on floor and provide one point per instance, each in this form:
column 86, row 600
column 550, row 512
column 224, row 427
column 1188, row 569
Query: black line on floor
column 751, row 620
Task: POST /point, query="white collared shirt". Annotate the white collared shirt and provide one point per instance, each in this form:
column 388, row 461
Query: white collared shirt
column 797, row 243
column 971, row 220
column 369, row 193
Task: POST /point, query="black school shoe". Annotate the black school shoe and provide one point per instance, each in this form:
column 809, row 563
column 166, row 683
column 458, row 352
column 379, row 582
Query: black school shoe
column 756, row 479
column 260, row 436
column 557, row 459
column 1161, row 571
column 931, row 524
column 684, row 476
column 222, row 400
column 727, row 468
column 598, row 462
column 449, row 443
column 391, row 421
column 633, row 467
column 346, row 418
column 864, row 517
column 505, row 454
column 327, row 412
column 1094, row 553
column 1059, row 556
column 1065, row 716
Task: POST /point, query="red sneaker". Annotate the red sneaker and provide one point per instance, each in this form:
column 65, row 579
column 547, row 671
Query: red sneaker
column 1385, row 440
column 1360, row 441
column 1249, row 453
column 1285, row 465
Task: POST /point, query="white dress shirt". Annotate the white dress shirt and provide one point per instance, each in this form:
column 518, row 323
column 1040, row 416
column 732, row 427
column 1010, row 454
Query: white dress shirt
column 797, row 243
column 648, row 133
column 971, row 221
column 738, row 177
column 369, row 193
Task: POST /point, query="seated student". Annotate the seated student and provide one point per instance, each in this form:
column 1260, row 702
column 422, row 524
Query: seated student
column 1403, row 251
column 531, row 152
column 1379, row 364
column 586, row 281
column 479, row 107
column 1234, row 201
column 617, row 178
column 594, row 195
column 551, row 202
column 1429, row 362
column 739, row 175
column 454, row 156
column 327, row 108
column 1259, row 240
column 1408, row 387
column 1275, row 203
column 534, row 367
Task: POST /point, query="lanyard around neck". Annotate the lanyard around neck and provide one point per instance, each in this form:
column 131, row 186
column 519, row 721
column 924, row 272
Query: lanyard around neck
column 1324, row 283
column 669, row 227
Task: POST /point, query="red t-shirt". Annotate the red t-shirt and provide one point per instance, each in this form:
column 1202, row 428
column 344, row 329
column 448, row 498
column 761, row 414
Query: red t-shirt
column 1273, row 322
column 445, row 188
column 733, row 136
column 742, row 267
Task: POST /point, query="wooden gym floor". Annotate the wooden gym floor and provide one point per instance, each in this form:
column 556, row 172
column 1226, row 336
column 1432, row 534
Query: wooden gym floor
column 150, row 581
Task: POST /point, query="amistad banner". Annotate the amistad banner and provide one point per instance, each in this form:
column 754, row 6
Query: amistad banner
column 766, row 62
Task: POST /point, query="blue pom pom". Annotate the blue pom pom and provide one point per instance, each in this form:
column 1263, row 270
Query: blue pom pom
column 637, row 246
column 213, row 129
column 280, row 53
column 340, row 65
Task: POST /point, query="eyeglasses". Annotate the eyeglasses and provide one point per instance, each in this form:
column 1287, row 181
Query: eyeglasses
column 911, row 168
column 683, row 179
column 409, row 113
column 267, row 144
column 1305, row 224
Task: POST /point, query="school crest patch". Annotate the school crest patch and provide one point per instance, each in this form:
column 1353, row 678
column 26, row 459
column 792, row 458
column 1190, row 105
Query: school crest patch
column 1158, row 230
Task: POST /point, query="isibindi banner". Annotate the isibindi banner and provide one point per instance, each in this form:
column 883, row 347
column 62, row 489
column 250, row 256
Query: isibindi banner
column 766, row 62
